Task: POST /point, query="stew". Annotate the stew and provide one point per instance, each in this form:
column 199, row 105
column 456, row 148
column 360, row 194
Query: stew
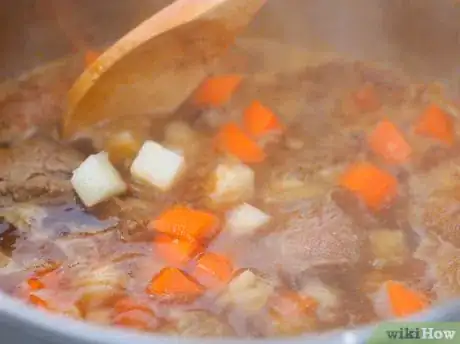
column 270, row 204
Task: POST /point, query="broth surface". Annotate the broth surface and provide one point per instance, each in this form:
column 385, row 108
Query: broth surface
column 329, row 257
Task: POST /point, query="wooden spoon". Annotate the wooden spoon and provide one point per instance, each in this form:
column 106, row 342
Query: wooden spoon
column 156, row 66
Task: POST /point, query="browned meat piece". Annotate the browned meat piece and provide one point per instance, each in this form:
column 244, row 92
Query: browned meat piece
column 323, row 157
column 36, row 168
column 443, row 261
column 392, row 86
column 315, row 234
column 435, row 202
column 35, row 101
column 435, row 156
column 133, row 216
column 442, row 216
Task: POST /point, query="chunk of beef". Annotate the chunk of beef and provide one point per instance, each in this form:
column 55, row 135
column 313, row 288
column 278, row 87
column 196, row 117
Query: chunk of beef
column 443, row 261
column 35, row 102
column 133, row 216
column 314, row 234
column 36, row 168
column 321, row 162
column 435, row 206
column 392, row 86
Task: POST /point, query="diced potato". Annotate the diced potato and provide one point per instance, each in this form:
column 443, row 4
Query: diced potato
column 24, row 217
column 58, row 303
column 96, row 180
column 107, row 275
column 101, row 316
column 329, row 304
column 179, row 133
column 182, row 139
column 247, row 291
column 233, row 183
column 201, row 324
column 215, row 118
column 373, row 280
column 72, row 311
column 388, row 246
column 246, row 219
column 122, row 146
column 294, row 143
column 293, row 326
column 381, row 303
column 157, row 166
column 287, row 181
column 100, row 286
column 4, row 260
column 289, row 187
column 9, row 266
column 79, row 250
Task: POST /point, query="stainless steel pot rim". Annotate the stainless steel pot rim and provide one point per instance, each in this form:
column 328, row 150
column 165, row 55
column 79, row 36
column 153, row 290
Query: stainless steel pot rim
column 44, row 325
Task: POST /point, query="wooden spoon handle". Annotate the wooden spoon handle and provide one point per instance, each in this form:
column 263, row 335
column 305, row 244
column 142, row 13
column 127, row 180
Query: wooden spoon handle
column 156, row 66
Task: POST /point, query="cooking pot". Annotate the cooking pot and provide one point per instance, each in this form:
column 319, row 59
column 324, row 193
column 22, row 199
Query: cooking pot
column 421, row 37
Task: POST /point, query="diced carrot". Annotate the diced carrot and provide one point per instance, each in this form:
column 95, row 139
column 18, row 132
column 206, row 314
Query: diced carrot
column 260, row 120
column 366, row 99
column 437, row 124
column 122, row 146
column 175, row 251
column 186, row 223
column 90, row 57
column 405, row 301
column 288, row 303
column 35, row 284
column 38, row 301
column 373, row 185
column 175, row 284
column 213, row 270
column 217, row 91
column 233, row 140
column 127, row 304
column 136, row 319
column 387, row 141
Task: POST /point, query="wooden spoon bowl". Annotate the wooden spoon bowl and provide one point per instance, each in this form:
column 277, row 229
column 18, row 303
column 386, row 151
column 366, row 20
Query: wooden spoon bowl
column 156, row 66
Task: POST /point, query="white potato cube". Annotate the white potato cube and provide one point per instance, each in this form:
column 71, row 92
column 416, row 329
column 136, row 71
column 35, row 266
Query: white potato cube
column 246, row 219
column 157, row 166
column 4, row 260
column 388, row 247
column 381, row 302
column 96, row 180
column 180, row 134
column 247, row 291
column 328, row 299
column 99, row 286
column 233, row 183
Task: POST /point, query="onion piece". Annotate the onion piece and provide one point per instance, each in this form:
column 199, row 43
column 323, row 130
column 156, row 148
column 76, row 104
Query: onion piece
column 157, row 166
column 96, row 180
